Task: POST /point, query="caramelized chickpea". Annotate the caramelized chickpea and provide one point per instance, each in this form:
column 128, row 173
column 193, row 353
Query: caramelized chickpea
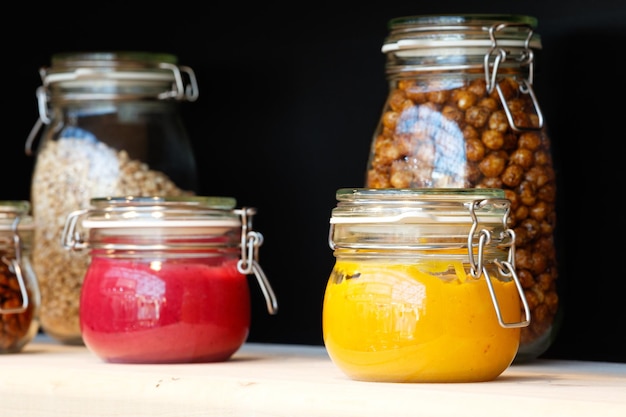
column 470, row 132
column 529, row 140
column 390, row 119
column 438, row 96
column 526, row 279
column 522, row 157
column 490, row 182
column 474, row 150
column 492, row 139
column 464, row 99
column 452, row 113
column 478, row 86
column 512, row 175
column 521, row 213
column 540, row 210
column 492, row 165
column 396, row 100
column 498, row 121
column 477, row 116
column 489, row 103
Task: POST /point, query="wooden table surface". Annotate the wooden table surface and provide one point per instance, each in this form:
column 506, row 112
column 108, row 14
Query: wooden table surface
column 50, row 379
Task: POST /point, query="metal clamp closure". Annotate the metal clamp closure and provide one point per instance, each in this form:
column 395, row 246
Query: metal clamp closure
column 248, row 264
column 250, row 243
column 526, row 58
column 183, row 90
column 70, row 237
column 184, row 87
column 506, row 268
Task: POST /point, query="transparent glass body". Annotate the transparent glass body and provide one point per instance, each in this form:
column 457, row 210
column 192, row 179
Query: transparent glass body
column 19, row 290
column 461, row 112
column 110, row 125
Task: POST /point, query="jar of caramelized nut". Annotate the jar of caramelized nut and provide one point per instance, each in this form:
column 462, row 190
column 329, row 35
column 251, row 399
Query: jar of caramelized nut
column 110, row 125
column 461, row 112
column 19, row 290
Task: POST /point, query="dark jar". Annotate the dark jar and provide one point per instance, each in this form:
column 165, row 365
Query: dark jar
column 19, row 290
column 110, row 124
column 461, row 112
column 167, row 279
column 424, row 287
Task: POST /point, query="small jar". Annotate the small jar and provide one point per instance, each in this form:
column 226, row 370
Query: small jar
column 167, row 279
column 110, row 125
column 424, row 287
column 19, row 290
column 461, row 113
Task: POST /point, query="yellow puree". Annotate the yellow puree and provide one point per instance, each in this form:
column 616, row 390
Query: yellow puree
column 425, row 322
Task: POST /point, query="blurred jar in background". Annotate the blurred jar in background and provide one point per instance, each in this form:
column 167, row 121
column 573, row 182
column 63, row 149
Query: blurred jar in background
column 110, row 125
column 19, row 290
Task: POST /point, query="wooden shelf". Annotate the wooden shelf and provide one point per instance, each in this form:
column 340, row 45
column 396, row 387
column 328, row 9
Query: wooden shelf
column 49, row 379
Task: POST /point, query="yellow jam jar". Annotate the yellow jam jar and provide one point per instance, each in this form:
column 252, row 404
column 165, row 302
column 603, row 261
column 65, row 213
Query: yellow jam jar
column 424, row 287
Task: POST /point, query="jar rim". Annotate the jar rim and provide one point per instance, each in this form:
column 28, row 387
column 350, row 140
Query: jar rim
column 161, row 211
column 149, row 212
column 115, row 66
column 420, row 206
column 185, row 201
column 390, row 194
column 461, row 18
column 461, row 34
column 10, row 210
column 418, row 219
column 116, row 75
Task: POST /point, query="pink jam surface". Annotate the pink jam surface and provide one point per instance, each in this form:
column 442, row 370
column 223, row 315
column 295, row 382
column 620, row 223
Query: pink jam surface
column 169, row 311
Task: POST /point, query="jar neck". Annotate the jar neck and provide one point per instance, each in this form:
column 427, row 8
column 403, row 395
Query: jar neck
column 172, row 240
column 132, row 111
column 460, row 254
column 16, row 228
column 467, row 224
column 492, row 45
column 113, row 77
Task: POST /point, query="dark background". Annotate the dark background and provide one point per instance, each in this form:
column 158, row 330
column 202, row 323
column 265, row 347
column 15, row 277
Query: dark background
column 289, row 98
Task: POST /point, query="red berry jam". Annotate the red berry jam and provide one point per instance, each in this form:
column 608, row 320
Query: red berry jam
column 171, row 310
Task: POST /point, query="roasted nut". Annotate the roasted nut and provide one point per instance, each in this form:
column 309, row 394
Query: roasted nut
column 16, row 328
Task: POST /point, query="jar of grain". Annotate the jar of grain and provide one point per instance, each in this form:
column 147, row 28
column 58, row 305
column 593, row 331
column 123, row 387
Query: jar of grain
column 110, row 124
column 424, row 287
column 461, row 112
column 167, row 279
column 19, row 290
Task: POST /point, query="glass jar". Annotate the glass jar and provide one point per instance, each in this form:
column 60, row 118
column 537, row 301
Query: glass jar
column 424, row 287
column 461, row 113
column 19, row 290
column 110, row 125
column 167, row 279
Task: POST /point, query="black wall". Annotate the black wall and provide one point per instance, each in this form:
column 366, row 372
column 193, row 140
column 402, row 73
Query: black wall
column 289, row 98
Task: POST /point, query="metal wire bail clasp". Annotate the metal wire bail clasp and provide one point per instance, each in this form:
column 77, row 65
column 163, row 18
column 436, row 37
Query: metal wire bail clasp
column 70, row 237
column 15, row 268
column 185, row 85
column 506, row 268
column 248, row 264
column 491, row 74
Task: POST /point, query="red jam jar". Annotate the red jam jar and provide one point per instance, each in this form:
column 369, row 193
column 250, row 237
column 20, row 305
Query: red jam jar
column 167, row 280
